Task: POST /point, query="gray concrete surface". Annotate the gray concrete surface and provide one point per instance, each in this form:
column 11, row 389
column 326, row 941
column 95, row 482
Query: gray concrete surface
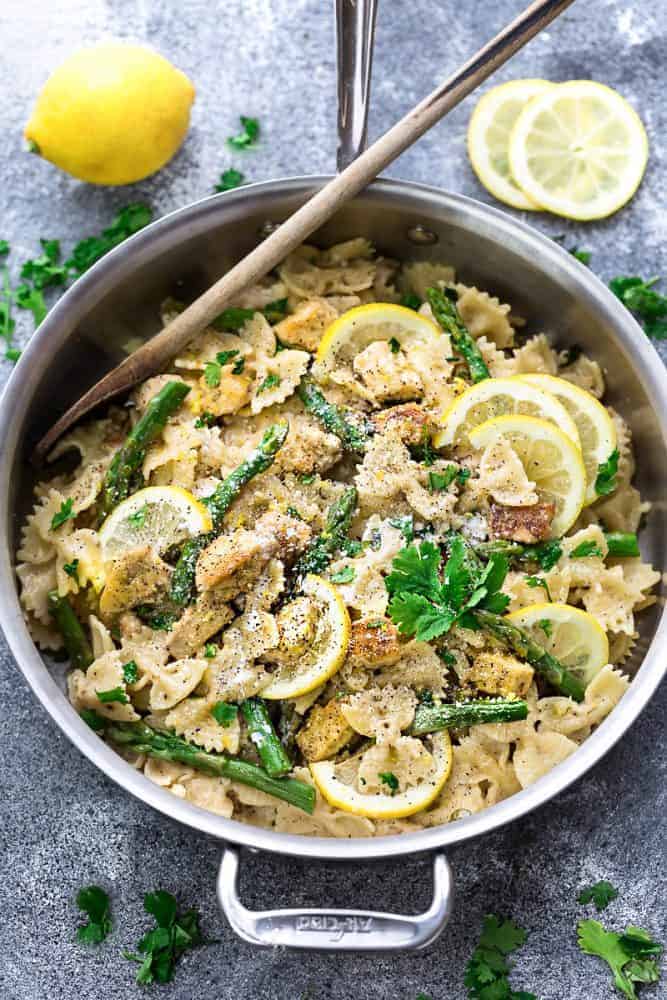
column 62, row 823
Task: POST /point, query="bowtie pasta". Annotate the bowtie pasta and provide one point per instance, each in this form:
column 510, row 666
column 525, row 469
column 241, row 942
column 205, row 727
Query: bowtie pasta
column 363, row 561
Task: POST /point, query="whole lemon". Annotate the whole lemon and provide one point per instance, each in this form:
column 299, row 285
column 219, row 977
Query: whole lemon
column 111, row 114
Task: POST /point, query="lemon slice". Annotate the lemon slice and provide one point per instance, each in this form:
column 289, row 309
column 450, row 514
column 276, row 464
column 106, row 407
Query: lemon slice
column 352, row 332
column 571, row 635
column 597, row 434
column 489, row 137
column 579, row 150
column 159, row 516
column 551, row 460
column 338, row 793
column 497, row 397
column 326, row 649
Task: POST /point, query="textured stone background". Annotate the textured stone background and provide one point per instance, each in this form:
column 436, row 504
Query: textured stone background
column 62, row 823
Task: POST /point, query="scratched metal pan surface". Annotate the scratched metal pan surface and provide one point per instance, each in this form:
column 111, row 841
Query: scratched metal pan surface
column 181, row 254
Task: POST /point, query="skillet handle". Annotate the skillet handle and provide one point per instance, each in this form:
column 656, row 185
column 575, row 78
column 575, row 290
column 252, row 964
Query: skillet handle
column 317, row 929
column 355, row 30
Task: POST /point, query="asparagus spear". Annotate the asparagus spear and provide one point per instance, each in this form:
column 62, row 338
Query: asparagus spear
column 538, row 657
column 271, row 751
column 165, row 746
column 447, row 315
column 75, row 640
column 124, row 474
column 333, row 418
column 322, row 549
column 619, row 544
column 430, row 718
column 218, row 503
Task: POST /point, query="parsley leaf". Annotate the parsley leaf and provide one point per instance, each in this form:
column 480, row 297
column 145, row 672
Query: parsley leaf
column 137, row 519
column 238, row 366
column 229, row 180
column 410, row 301
column 538, row 581
column 546, row 626
column 224, row 357
column 344, row 575
column 405, row 525
column 224, row 714
column 66, row 513
column 210, row 650
column 72, row 569
column 160, row 621
column 130, row 672
column 4, row 248
column 160, row 948
column 247, row 138
column 212, row 374
column 231, row 320
column 546, row 554
column 631, row 956
column 269, row 382
column 605, row 482
column 129, row 220
column 12, row 353
column 584, row 549
column 394, row 345
column 488, row 970
column 422, row 604
column 205, row 419
column 94, row 902
column 113, row 695
column 45, row 270
column 641, row 298
column 600, row 893
column 389, row 779
column 31, row 299
column 275, row 311
column 442, row 480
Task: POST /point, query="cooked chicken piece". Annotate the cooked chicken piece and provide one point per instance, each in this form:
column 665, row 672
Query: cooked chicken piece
column 521, row 524
column 374, row 643
column 308, row 448
column 500, row 674
column 199, row 622
column 409, row 421
column 290, row 534
column 306, row 325
column 227, row 397
column 387, row 375
column 232, row 562
column 135, row 578
column 325, row 732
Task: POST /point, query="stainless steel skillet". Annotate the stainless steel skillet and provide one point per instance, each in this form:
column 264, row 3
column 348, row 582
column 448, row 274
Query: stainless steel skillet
column 183, row 253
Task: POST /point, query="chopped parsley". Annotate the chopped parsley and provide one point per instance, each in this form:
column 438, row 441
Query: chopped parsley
column 270, row 382
column 584, row 256
column 411, row 301
column 45, row 270
column 32, row 299
column 238, row 366
column 584, row 549
column 229, row 179
column 394, row 345
column 632, row 956
column 94, row 902
column 389, row 779
column 405, row 525
column 307, row 478
column 275, row 311
column 538, row 581
column 344, row 575
column 66, row 513
column 113, row 695
column 130, row 672
column 427, row 606
column 293, row 512
column 210, row 650
column 605, row 482
column 224, row 714
column 641, row 298
column 247, row 137
column 442, row 480
column 212, row 374
column 4, row 248
column 224, row 357
column 129, row 220
column 72, row 569
column 546, row 626
column 12, row 353
column 424, row 451
column 487, row 972
column 159, row 621
column 447, row 658
column 137, row 519
column 160, row 948
column 352, row 547
column 546, row 554
column 231, row 320
column 205, row 419
column 600, row 893
column 92, row 719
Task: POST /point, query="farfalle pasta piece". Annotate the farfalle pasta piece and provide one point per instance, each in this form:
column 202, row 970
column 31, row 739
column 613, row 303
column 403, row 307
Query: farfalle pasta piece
column 277, row 378
column 175, row 681
column 421, row 275
column 585, row 373
column 484, row 315
column 382, row 713
column 501, row 472
column 305, row 327
column 192, row 720
column 536, row 756
column 407, row 759
column 103, row 675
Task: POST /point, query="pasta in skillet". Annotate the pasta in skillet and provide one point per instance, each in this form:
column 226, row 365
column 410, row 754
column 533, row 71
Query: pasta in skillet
column 363, row 561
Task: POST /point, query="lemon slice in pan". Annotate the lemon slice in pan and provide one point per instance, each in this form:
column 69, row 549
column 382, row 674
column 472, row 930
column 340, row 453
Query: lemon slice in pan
column 158, row 516
column 573, row 636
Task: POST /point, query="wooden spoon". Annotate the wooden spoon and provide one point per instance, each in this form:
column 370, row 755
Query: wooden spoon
column 155, row 354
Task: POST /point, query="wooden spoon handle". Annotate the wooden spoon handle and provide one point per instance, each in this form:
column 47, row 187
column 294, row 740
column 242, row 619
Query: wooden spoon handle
column 154, row 355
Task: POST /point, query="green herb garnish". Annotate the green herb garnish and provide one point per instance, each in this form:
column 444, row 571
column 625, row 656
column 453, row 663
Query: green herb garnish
column 130, row 672
column 487, row 972
column 410, row 301
column 212, row 374
column 72, row 569
column 210, row 650
column 538, row 581
column 113, row 695
column 344, row 575
column 641, row 298
column 632, row 956
column 270, row 382
column 224, row 357
column 389, row 779
column 438, row 481
column 247, row 138
column 224, row 714
column 94, row 902
column 66, row 513
column 600, row 893
column 229, row 180
column 205, row 419
column 92, row 719
column 584, row 549
column 137, row 519
column 174, row 933
column 605, row 482
column 129, row 220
